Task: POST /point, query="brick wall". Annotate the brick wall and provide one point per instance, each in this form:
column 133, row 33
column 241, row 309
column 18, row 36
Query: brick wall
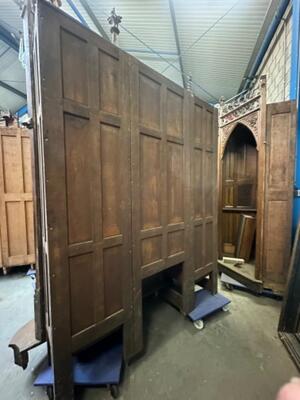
column 277, row 62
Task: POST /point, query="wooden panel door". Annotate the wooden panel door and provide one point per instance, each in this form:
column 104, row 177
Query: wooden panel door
column 280, row 148
column 84, row 157
column 16, row 202
column 160, row 177
column 204, row 187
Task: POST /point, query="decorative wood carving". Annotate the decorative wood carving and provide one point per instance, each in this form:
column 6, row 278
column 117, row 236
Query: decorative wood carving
column 249, row 120
column 241, row 109
column 239, row 106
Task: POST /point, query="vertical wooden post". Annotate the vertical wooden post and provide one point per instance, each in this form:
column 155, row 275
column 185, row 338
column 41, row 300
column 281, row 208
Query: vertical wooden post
column 261, row 179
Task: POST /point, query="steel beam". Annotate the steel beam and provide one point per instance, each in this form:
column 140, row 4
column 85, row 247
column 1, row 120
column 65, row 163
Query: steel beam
column 7, row 38
column 146, row 51
column 77, row 12
column 174, row 24
column 266, row 42
column 12, row 90
column 95, row 20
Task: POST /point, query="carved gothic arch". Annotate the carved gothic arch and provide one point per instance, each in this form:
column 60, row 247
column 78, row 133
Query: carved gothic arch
column 250, row 121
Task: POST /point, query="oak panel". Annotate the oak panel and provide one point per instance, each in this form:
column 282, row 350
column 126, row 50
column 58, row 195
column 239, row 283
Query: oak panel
column 113, row 277
column 74, row 58
column 150, row 182
column 79, row 185
column 209, row 183
column 16, row 232
column 151, row 250
column 149, row 102
column 174, row 114
column 111, row 179
column 198, row 123
column 279, row 176
column 198, row 182
column 29, row 217
column 82, row 292
column 175, row 242
column 175, row 176
column 209, row 131
column 109, row 78
column 198, row 246
column 209, row 244
column 12, row 171
column 26, row 164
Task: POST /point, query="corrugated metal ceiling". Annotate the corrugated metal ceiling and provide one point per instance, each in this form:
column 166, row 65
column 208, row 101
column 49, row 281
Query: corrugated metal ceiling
column 217, row 62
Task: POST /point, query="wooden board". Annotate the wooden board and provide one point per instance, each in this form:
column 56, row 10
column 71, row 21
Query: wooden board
column 173, row 187
column 245, row 237
column 204, row 206
column 280, row 147
column 124, row 157
column 16, row 200
column 84, row 145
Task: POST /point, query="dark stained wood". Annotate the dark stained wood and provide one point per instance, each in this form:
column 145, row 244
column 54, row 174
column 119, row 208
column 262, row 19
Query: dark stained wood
column 22, row 342
column 174, row 141
column 273, row 128
column 203, row 156
column 289, row 322
column 280, row 138
column 245, row 236
column 118, row 145
column 239, row 185
column 244, row 275
column 290, row 312
column 84, row 165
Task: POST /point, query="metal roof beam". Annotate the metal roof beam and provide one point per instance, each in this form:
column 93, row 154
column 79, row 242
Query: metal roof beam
column 76, row 11
column 93, row 17
column 173, row 18
column 7, row 38
column 12, row 90
column 145, row 51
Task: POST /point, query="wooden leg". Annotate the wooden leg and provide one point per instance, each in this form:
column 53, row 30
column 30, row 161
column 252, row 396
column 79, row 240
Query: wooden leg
column 188, row 295
column 213, row 282
column 135, row 326
column 61, row 362
column 63, row 377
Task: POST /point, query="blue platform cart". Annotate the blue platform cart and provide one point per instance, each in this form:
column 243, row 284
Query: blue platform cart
column 100, row 365
column 207, row 304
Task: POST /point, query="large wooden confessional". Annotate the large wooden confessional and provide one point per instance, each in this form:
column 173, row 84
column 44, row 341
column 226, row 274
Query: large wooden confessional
column 256, row 161
column 126, row 171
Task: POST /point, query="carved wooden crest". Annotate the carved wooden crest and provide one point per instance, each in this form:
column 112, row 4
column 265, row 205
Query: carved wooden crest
column 249, row 120
column 241, row 109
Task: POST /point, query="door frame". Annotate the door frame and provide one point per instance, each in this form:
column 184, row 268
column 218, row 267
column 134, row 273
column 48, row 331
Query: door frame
column 249, row 110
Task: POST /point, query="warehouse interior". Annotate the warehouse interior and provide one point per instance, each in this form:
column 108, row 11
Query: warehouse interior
column 149, row 199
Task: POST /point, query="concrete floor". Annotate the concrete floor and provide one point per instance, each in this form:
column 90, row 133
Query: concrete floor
column 237, row 356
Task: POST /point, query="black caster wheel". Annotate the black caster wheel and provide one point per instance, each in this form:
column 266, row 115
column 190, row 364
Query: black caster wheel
column 50, row 392
column 114, row 391
column 228, row 287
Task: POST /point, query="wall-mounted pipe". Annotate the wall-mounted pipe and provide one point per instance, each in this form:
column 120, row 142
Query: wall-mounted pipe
column 7, row 38
column 77, row 12
column 22, row 111
column 295, row 95
column 267, row 40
